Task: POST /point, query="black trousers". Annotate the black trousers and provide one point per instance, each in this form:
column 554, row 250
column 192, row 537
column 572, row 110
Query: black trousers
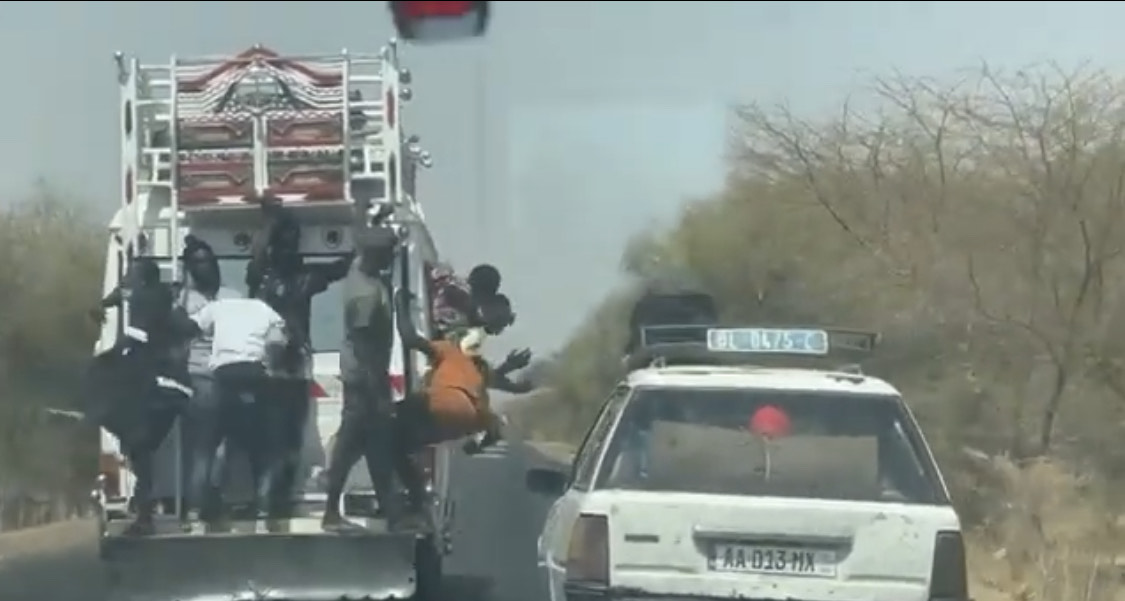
column 244, row 421
column 155, row 422
column 289, row 412
column 414, row 429
column 202, row 434
column 125, row 399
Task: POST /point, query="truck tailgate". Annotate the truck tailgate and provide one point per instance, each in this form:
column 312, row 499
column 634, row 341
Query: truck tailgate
column 310, row 567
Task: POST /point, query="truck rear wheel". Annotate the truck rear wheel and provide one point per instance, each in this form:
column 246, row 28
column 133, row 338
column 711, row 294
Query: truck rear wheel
column 427, row 569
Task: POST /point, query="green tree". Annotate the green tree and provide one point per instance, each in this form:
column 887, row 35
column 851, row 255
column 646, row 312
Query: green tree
column 976, row 225
column 49, row 279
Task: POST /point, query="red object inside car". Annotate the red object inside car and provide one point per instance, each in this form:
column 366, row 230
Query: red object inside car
column 770, row 422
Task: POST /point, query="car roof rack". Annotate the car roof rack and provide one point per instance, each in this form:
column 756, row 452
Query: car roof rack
column 702, row 345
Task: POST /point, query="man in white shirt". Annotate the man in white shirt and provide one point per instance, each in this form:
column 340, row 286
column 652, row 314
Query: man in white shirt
column 248, row 338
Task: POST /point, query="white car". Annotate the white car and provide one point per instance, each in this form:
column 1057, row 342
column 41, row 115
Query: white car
column 705, row 477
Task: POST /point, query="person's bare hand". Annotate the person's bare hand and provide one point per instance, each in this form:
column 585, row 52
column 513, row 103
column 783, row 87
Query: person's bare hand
column 517, row 359
column 270, row 204
column 404, row 295
column 381, row 214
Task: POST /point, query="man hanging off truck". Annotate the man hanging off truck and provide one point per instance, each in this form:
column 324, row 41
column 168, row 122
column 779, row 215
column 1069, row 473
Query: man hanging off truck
column 454, row 403
column 458, row 302
column 138, row 387
column 278, row 274
column 366, row 420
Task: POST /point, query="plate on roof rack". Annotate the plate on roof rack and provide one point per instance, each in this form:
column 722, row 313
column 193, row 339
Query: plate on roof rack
column 692, row 344
column 768, row 340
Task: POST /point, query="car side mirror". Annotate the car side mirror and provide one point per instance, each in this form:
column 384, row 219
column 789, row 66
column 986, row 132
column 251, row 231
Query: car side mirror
column 546, row 482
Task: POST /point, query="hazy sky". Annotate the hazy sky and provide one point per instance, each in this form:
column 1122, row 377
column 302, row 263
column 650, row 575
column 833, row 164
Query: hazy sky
column 599, row 116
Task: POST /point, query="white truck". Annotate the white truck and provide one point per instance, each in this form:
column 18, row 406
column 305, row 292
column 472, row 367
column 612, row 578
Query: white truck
column 200, row 139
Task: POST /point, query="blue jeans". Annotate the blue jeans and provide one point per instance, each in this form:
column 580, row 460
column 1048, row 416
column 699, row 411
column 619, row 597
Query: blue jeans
column 201, row 433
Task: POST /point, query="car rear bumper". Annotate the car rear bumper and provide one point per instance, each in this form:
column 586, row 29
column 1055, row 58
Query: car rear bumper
column 712, row 587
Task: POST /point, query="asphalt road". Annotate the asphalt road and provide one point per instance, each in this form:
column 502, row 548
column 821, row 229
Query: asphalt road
column 498, row 523
column 494, row 543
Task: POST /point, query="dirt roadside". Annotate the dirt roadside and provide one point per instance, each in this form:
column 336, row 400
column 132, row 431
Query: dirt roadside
column 57, row 562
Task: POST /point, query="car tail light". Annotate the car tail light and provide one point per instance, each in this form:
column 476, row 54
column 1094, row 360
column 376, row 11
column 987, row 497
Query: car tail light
column 109, row 468
column 948, row 577
column 587, row 558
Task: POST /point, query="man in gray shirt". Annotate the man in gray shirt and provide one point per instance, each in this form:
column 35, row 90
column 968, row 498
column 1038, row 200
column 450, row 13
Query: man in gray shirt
column 368, row 411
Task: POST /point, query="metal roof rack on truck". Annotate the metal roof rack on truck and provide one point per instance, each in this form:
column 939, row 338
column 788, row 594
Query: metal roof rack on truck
column 205, row 139
column 667, row 345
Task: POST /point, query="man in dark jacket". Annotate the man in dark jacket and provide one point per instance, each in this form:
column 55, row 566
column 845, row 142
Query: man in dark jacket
column 138, row 387
column 278, row 274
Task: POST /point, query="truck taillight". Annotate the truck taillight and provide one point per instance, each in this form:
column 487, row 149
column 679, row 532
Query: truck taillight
column 587, row 558
column 398, row 385
column 948, row 577
column 316, row 391
column 109, row 468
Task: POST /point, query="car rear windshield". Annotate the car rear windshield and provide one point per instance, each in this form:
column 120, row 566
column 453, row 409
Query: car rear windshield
column 770, row 443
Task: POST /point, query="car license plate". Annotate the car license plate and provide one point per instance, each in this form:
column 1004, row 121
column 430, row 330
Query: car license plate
column 792, row 561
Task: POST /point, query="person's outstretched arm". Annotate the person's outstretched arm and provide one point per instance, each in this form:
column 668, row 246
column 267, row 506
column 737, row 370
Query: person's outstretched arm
column 516, row 360
column 182, row 325
column 113, row 299
column 272, row 214
column 325, row 274
column 411, row 338
column 204, row 319
column 253, row 277
column 500, row 381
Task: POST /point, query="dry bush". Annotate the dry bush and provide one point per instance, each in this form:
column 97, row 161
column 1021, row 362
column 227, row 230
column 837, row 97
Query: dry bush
column 978, row 225
column 1055, row 539
column 49, row 280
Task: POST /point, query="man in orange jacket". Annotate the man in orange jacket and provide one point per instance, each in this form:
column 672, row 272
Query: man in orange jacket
column 455, row 402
